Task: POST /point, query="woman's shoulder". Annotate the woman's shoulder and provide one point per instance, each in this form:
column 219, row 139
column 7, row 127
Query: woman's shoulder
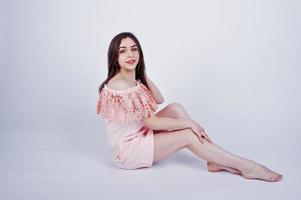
column 119, row 84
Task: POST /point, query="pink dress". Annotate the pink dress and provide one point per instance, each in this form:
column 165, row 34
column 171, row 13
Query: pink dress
column 131, row 143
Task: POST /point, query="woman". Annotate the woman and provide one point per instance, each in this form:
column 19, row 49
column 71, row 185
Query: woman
column 138, row 137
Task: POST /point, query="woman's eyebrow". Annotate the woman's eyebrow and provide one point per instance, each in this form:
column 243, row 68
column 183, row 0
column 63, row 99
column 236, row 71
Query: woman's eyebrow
column 125, row 47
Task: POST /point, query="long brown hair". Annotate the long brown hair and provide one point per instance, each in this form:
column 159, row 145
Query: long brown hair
column 113, row 54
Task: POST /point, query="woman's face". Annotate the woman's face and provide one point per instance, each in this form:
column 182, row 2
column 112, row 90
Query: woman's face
column 128, row 54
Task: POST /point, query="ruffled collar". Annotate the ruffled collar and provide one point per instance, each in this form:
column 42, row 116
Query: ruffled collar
column 124, row 106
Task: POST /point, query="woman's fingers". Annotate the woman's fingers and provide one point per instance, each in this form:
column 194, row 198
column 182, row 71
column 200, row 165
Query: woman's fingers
column 207, row 137
column 203, row 135
column 200, row 136
column 201, row 139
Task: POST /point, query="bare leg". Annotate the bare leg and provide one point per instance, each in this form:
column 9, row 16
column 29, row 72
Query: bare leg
column 167, row 142
column 175, row 110
column 211, row 152
column 213, row 167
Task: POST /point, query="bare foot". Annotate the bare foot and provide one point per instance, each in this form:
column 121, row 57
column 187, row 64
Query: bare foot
column 213, row 167
column 258, row 171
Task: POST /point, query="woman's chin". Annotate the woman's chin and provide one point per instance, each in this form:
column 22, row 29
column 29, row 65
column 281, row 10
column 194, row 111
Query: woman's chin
column 130, row 67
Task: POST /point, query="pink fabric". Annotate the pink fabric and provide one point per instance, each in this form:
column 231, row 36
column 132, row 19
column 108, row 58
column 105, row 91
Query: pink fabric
column 131, row 143
column 124, row 106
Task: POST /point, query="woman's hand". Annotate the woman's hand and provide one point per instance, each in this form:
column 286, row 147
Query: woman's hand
column 199, row 131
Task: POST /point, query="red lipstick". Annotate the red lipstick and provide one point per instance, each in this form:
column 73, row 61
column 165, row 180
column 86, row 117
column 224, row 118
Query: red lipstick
column 130, row 61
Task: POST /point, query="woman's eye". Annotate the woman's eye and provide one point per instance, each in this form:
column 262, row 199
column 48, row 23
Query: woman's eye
column 134, row 49
column 121, row 51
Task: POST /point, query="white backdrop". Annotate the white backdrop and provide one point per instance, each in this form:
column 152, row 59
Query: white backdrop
column 234, row 65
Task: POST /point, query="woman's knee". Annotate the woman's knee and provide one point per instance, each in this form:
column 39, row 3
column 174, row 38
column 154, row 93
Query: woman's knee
column 177, row 108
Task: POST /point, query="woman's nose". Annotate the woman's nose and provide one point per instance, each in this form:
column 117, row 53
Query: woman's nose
column 130, row 54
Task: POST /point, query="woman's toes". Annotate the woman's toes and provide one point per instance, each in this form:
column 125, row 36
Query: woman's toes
column 273, row 179
column 279, row 177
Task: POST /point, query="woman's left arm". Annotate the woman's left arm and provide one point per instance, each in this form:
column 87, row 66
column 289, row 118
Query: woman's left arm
column 155, row 91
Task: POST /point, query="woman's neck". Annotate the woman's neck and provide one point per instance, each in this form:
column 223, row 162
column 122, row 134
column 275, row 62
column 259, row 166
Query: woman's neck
column 129, row 75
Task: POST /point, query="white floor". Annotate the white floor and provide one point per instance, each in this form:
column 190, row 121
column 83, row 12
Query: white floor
column 77, row 166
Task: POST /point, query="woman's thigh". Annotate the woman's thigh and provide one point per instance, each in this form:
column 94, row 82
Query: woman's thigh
column 168, row 142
